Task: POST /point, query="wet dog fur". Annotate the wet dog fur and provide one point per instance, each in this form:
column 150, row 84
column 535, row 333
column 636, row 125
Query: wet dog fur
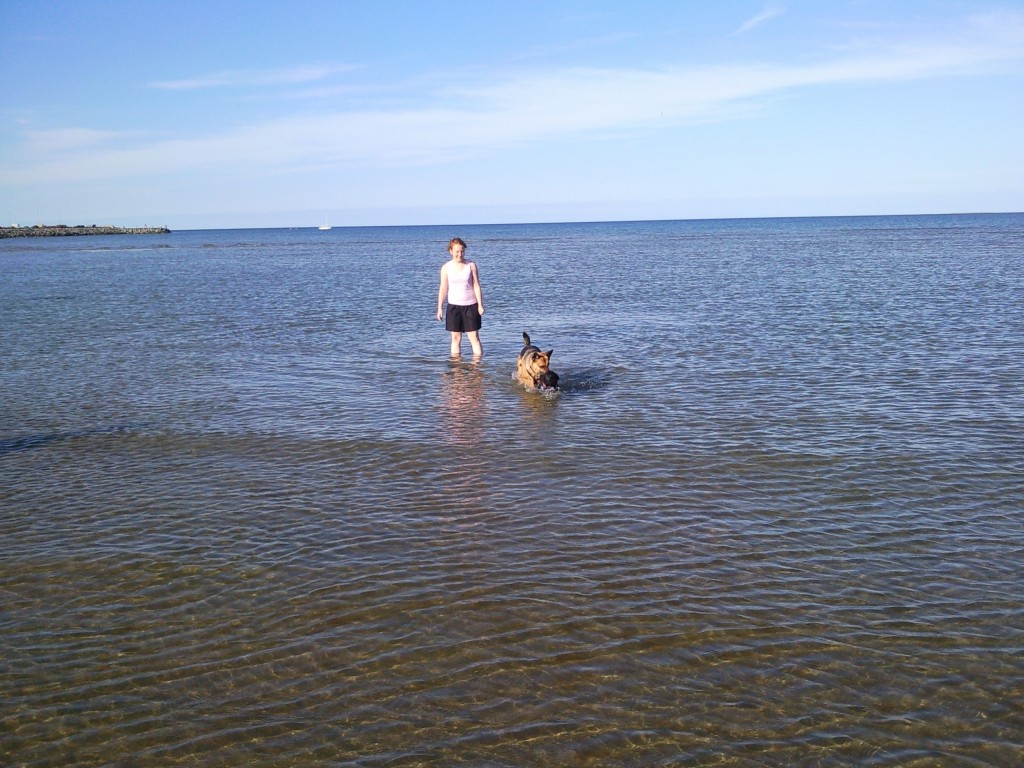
column 533, row 367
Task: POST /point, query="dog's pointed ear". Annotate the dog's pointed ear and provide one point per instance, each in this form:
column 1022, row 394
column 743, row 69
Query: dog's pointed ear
column 549, row 353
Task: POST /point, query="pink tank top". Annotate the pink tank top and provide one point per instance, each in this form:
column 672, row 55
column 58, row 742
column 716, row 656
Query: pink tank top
column 460, row 284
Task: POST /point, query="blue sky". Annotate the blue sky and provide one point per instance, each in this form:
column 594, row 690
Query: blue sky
column 229, row 114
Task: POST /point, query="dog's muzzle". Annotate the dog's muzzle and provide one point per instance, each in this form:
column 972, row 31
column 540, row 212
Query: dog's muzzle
column 548, row 381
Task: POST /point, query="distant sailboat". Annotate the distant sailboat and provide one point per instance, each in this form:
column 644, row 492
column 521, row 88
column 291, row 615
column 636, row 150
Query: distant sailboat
column 325, row 226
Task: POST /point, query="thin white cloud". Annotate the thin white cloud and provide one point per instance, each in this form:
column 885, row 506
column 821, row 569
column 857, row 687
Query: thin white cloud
column 68, row 140
column 254, row 78
column 768, row 13
column 519, row 111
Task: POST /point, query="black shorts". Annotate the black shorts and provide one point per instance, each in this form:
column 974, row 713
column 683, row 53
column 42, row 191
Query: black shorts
column 463, row 318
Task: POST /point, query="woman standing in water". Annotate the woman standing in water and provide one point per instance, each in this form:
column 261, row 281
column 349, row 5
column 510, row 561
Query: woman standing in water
column 460, row 284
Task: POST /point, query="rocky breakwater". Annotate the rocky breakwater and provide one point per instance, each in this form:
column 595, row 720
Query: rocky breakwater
column 62, row 230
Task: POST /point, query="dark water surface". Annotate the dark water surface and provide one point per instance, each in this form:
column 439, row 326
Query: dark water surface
column 251, row 515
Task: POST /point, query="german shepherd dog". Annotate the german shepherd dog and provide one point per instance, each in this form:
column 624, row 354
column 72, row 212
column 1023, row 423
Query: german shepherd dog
column 532, row 367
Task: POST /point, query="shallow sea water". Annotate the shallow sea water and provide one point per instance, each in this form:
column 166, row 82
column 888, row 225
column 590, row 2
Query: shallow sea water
column 253, row 515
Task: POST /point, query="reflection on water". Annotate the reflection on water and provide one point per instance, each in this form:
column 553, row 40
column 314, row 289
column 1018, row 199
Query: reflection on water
column 464, row 404
column 463, row 419
column 537, row 408
column 772, row 519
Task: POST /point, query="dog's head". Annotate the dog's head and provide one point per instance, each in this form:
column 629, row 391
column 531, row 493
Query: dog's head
column 538, row 362
column 547, row 380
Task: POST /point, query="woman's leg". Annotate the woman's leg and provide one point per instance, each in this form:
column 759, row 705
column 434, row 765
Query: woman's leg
column 474, row 340
column 456, row 343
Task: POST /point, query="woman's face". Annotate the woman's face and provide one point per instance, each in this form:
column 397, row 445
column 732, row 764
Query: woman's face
column 457, row 251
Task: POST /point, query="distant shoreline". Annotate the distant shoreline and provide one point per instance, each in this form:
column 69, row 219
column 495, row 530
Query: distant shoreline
column 62, row 230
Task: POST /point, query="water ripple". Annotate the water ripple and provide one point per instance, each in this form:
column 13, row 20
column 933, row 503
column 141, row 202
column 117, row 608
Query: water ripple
column 773, row 518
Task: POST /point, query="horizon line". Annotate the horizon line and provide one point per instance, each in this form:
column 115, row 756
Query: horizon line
column 618, row 221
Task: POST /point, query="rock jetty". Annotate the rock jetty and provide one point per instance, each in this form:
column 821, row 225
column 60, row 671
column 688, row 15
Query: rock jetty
column 63, row 230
